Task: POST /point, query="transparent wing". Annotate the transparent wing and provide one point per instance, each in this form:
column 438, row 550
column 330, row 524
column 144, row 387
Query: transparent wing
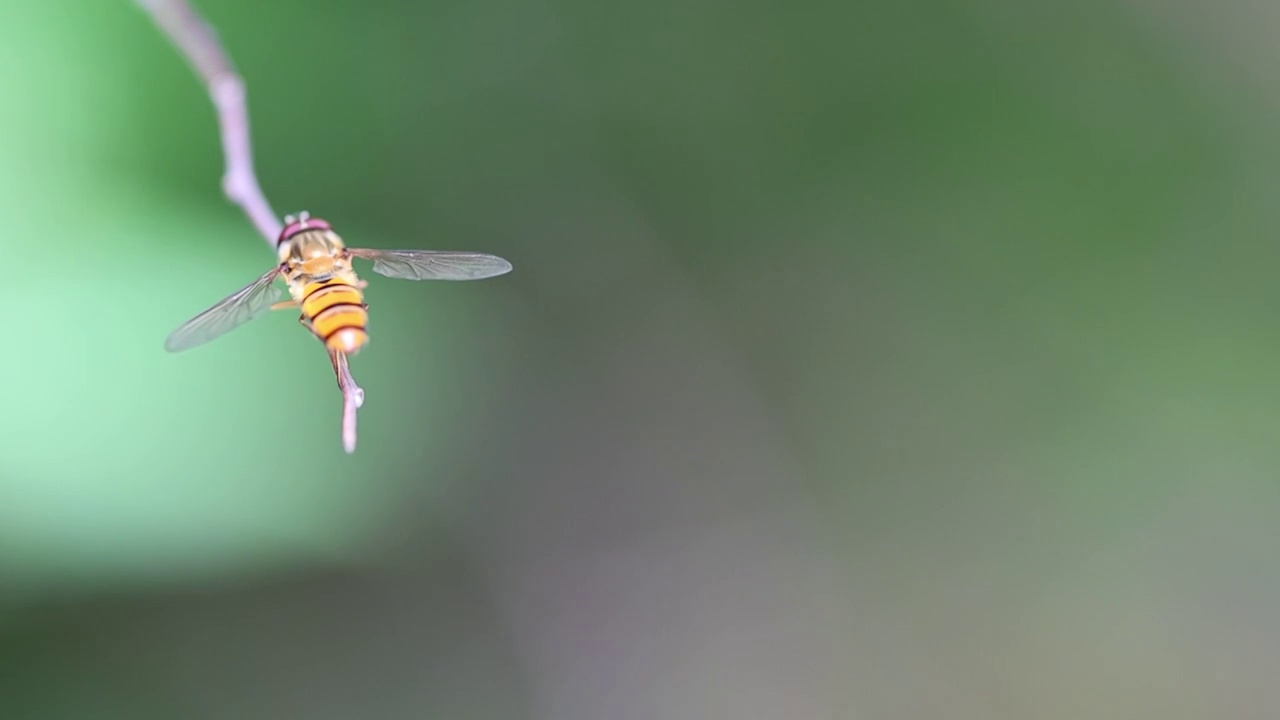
column 434, row 264
column 250, row 302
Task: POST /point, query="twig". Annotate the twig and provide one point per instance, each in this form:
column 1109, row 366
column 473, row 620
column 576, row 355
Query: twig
column 352, row 398
column 199, row 43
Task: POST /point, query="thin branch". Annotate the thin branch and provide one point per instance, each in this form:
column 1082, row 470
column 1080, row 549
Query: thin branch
column 199, row 42
column 352, row 398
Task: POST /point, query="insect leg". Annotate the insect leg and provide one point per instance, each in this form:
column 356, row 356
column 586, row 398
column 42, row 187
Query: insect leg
column 310, row 326
column 286, row 305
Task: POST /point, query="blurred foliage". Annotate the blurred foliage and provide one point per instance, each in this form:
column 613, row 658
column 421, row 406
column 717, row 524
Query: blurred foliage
column 895, row 359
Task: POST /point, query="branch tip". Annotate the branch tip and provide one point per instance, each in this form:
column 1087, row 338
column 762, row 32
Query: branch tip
column 198, row 42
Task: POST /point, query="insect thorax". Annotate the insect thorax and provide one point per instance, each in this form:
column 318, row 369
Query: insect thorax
column 315, row 256
column 310, row 245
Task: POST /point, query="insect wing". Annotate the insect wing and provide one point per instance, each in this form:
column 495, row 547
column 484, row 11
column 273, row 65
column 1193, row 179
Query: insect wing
column 246, row 304
column 434, row 264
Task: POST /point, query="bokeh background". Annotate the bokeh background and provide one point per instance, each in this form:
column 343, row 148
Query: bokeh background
column 872, row 360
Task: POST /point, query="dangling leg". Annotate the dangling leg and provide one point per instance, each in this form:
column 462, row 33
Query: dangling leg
column 286, row 305
column 311, row 328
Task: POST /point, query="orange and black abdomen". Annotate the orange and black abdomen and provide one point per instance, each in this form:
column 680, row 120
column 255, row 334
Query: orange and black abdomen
column 337, row 314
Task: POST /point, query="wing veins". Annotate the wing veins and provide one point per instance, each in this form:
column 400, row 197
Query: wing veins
column 434, row 264
column 227, row 314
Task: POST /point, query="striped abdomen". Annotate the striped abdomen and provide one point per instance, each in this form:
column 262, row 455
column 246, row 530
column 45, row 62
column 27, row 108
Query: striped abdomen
column 337, row 314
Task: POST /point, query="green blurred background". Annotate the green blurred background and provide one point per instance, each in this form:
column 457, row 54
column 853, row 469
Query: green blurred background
column 885, row 360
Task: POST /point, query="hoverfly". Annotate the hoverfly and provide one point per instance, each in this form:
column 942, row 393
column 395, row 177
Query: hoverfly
column 316, row 266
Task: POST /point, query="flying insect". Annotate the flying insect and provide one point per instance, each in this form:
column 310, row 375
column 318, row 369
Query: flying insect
column 317, row 269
